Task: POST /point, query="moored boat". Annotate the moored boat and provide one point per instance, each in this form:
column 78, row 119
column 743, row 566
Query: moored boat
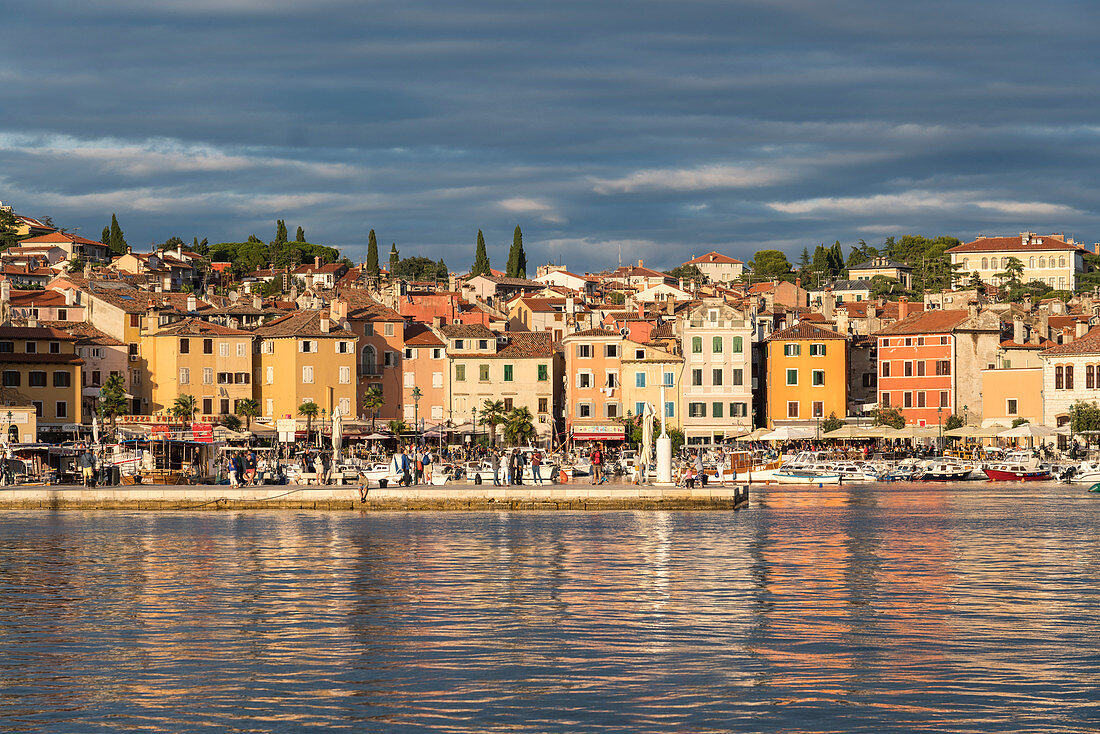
column 942, row 470
column 805, row 476
column 1012, row 472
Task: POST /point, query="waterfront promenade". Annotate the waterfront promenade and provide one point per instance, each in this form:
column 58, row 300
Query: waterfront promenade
column 573, row 496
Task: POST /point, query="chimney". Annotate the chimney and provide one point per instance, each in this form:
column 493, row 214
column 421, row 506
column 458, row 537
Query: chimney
column 1096, row 247
column 324, row 324
column 641, row 263
column 798, row 282
column 166, row 283
column 1044, row 324
column 842, row 323
column 437, row 322
column 903, row 308
column 681, row 284
column 641, row 310
column 828, row 304
column 1027, row 302
column 1067, row 336
column 5, row 291
column 670, row 306
column 972, row 309
column 69, row 297
column 1018, row 331
column 317, row 262
column 179, row 252
column 128, row 249
column 192, row 304
column 257, row 303
column 1082, row 328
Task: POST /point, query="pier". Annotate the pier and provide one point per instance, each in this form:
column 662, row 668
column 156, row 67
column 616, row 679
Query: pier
column 348, row 497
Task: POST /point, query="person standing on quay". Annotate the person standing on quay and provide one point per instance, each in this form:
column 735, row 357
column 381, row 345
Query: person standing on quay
column 536, row 462
column 495, row 457
column 596, row 459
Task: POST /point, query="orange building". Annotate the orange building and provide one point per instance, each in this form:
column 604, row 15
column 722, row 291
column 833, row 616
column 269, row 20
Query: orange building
column 807, row 374
column 593, row 389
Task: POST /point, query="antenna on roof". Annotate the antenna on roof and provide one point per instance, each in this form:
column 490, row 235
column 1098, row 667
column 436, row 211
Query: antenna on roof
column 620, row 254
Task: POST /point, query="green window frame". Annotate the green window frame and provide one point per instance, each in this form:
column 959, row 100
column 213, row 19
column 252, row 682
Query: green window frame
column 817, row 378
column 460, row 373
column 738, row 345
column 696, row 345
column 716, row 345
column 639, row 379
column 508, row 373
column 483, row 372
column 716, row 410
column 792, row 377
column 544, row 373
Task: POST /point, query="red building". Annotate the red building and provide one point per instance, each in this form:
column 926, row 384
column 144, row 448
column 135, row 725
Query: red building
column 916, row 365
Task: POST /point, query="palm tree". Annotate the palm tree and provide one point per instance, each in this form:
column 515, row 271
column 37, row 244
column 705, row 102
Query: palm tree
column 492, row 415
column 372, row 401
column 310, row 410
column 185, row 407
column 398, row 427
column 231, row 422
column 112, row 399
column 249, row 409
column 520, row 427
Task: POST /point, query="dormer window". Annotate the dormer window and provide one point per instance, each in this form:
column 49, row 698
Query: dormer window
column 483, row 344
column 459, row 343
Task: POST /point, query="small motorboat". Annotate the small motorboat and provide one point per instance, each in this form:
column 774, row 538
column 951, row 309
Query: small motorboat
column 1087, row 472
column 806, row 476
column 1013, row 472
column 941, row 470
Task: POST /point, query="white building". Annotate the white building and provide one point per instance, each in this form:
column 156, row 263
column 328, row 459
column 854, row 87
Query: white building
column 716, row 391
column 1050, row 259
column 718, row 268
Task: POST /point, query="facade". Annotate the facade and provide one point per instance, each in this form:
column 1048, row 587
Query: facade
column 1008, row 394
column 718, row 268
column 380, row 333
column 593, row 385
column 1071, row 373
column 645, row 368
column 40, row 367
column 884, row 267
column 305, row 357
column 807, row 367
column 1049, row 259
column 425, row 369
column 75, row 247
column 716, row 395
column 211, row 363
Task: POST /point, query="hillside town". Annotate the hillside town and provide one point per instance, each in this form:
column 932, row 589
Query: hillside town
column 169, row 337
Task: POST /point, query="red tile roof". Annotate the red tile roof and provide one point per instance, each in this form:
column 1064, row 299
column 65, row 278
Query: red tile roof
column 714, row 257
column 1016, row 244
column 1088, row 344
column 938, row 321
column 59, row 237
column 805, row 330
column 419, row 335
column 198, row 327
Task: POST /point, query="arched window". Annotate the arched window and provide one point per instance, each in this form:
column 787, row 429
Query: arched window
column 1042, row 262
column 992, row 263
column 985, row 263
column 1089, row 377
column 966, row 265
column 1031, row 263
column 369, row 365
column 1061, row 262
column 1059, row 377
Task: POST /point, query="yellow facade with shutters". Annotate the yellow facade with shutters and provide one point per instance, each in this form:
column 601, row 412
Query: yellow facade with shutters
column 807, row 375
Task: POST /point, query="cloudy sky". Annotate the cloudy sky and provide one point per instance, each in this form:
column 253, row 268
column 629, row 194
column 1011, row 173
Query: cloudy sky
column 659, row 128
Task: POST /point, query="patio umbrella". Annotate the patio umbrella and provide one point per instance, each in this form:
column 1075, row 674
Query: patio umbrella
column 1027, row 430
column 95, row 429
column 844, row 432
column 337, row 432
column 788, row 433
column 914, row 431
column 647, row 439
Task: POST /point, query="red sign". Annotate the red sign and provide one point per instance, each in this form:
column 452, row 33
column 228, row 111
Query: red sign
column 202, row 432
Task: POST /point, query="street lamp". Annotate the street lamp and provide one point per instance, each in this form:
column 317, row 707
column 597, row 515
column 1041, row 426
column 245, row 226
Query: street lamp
column 321, row 429
column 939, row 417
column 475, row 426
column 416, row 411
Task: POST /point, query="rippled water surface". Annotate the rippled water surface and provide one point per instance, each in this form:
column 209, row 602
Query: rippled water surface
column 969, row 608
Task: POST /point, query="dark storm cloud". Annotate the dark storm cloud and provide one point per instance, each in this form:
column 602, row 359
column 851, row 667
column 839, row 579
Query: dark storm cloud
column 664, row 128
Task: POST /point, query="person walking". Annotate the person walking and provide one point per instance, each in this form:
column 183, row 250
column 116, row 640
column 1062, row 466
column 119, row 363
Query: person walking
column 495, row 458
column 87, row 467
column 699, row 473
column 536, row 462
column 233, row 468
column 518, row 462
column 426, row 462
column 596, row 458
column 319, row 468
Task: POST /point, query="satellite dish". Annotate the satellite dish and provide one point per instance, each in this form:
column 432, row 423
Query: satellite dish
column 624, row 331
column 233, row 296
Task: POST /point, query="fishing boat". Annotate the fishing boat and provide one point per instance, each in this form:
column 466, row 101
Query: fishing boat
column 1015, row 472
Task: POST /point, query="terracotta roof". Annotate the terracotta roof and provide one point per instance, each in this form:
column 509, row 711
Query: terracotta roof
column 1016, row 244
column 468, row 331
column 362, row 306
column 32, row 332
column 419, row 335
column 39, row 298
column 544, row 305
column 879, row 264
column 521, row 282
column 198, row 327
column 59, row 237
column 938, row 321
column 806, row 330
column 714, row 257
column 85, row 333
column 301, row 323
column 1043, row 344
column 527, row 345
column 20, row 358
column 1088, row 344
column 594, row 332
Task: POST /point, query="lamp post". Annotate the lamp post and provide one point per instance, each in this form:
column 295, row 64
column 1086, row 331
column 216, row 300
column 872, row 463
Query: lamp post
column 416, row 412
column 939, row 417
column 321, row 429
column 475, row 427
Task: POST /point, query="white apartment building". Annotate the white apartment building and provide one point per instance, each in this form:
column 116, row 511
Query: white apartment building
column 716, row 390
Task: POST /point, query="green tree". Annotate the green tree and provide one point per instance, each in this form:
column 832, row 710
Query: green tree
column 397, row 427
column 372, row 256
column 185, row 407
column 519, row 428
column 310, row 410
column 492, row 415
column 888, row 416
column 395, row 258
column 1019, row 422
column 117, row 241
column 831, row 423
column 76, row 265
column 231, row 422
column 616, row 297
column 1084, row 416
column 932, row 268
column 105, row 238
column 517, row 258
column 112, row 399
column 953, row 421
column 373, row 402
column 768, row 264
column 688, row 273
column 248, row 409
column 1013, row 273
column 481, row 258
column 8, row 228
column 280, row 232
column 300, row 236
column 420, row 268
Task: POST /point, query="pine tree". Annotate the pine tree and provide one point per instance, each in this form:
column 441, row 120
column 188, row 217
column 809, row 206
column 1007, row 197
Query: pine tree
column 106, row 238
column 441, row 272
column 481, row 258
column 395, row 257
column 301, row 236
column 804, row 261
column 372, row 255
column 280, row 232
column 117, row 241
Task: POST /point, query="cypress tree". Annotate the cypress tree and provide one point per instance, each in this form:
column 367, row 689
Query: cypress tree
column 517, row 259
column 481, row 258
column 117, row 241
column 395, row 257
column 441, row 272
column 301, row 236
column 106, row 238
column 836, row 257
column 280, row 232
column 372, row 255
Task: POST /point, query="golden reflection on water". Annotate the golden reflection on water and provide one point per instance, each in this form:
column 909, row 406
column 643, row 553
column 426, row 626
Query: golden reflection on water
column 855, row 607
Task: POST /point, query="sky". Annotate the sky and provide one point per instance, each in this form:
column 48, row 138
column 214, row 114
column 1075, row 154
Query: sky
column 660, row 130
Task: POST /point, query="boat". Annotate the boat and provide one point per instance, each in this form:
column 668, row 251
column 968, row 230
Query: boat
column 1015, row 472
column 806, row 476
column 1095, row 487
column 942, row 470
column 1087, row 472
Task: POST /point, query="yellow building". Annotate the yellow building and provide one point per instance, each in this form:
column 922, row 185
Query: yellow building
column 40, row 368
column 644, row 367
column 304, row 357
column 209, row 362
column 807, row 375
column 1008, row 394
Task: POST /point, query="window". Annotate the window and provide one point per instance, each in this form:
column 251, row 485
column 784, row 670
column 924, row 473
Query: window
column 208, row 375
column 817, row 378
column 886, row 400
column 669, row 379
column 639, row 354
column 717, row 409
column 696, row 345
column 31, row 347
column 739, row 410
column 483, row 344
column 944, row 399
column 409, row 380
column 639, row 379
column 410, row 353
column 509, row 372
column 207, row 406
column 240, row 349
column 96, row 377
column 868, row 379
column 207, row 346
column 885, row 369
column 1090, row 380
column 544, row 405
column 584, row 351
column 584, row 410
column 907, row 399
column 1031, row 262
column 792, row 350
column 670, row 409
column 985, row 263
column 1061, row 262
column 36, row 379
column 241, row 378
column 460, row 373
column 224, row 406
column 612, row 379
column 817, row 350
column 639, row 408
column 1010, row 407
column 437, row 353
column 818, row 409
column 185, row 376
column 697, row 410
column 1069, row 377
column 270, row 375
column 269, row 407
column 544, row 373
column 223, row 349
column 943, row 340
column 920, row 368
column 792, row 377
column 920, row 398
column 345, row 375
column 307, row 374
column 508, row 405
column 908, row 341
column 483, row 372
column 920, row 341
column 185, row 346
column 738, row 345
column 343, row 347
column 388, row 329
column 1042, row 262
column 792, row 409
column 437, row 379
column 61, row 409
column 37, row 407
column 135, row 377
column 885, row 342
column 716, row 377
column 716, row 345
column 62, row 314
column 584, row 380
column 611, row 351
column 225, row 378
column 943, row 367
column 611, row 410
column 1059, row 377
column 459, row 344
column 696, row 378
column 908, row 369
column 55, row 347
column 12, row 378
